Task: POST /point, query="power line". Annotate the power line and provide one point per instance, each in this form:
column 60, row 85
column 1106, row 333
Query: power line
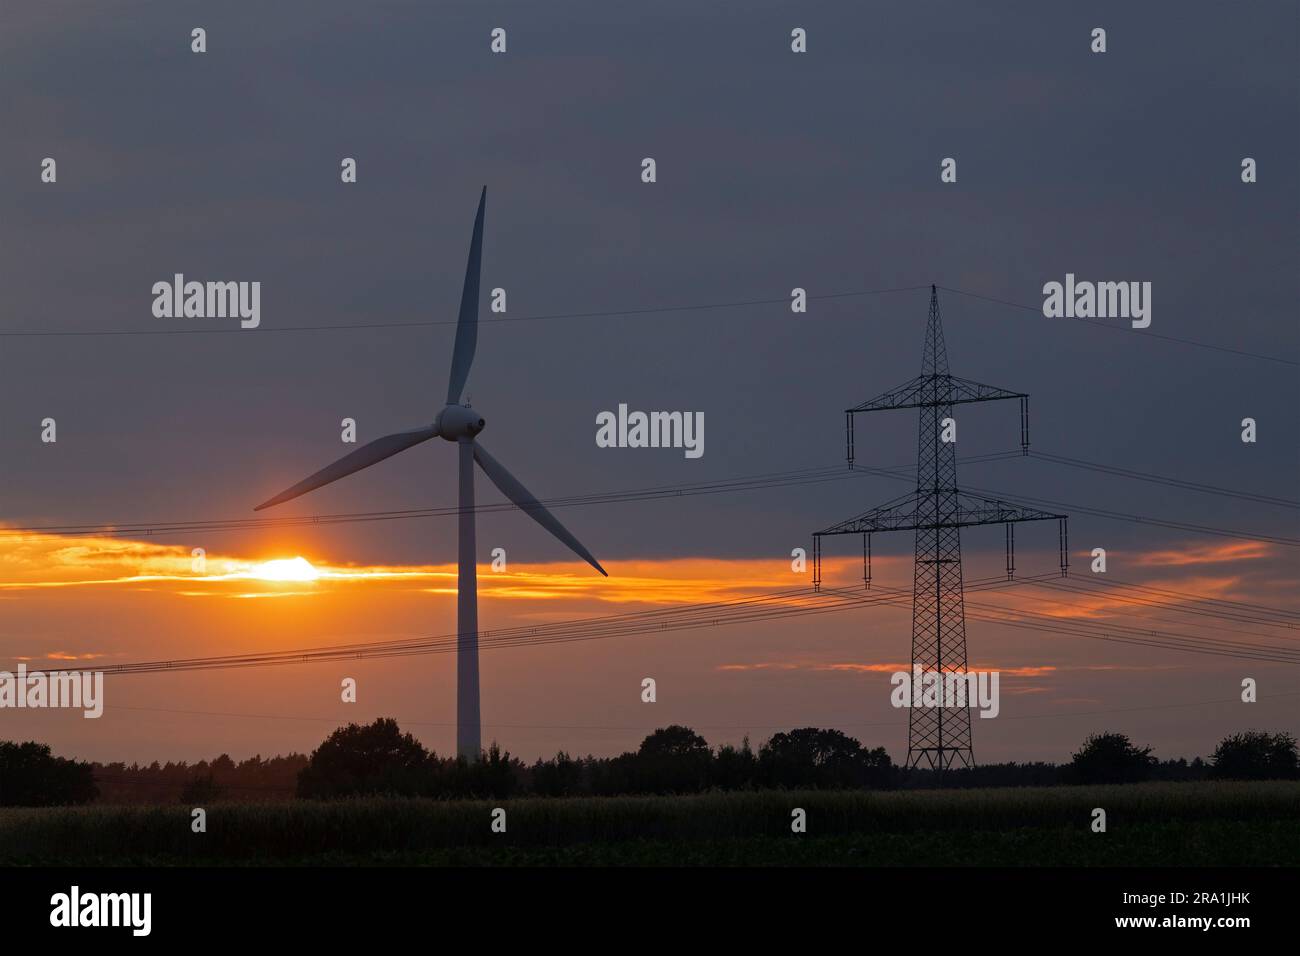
column 1146, row 519
column 769, row 480
column 1111, row 581
column 1129, row 633
column 1103, row 513
column 1164, row 480
column 657, row 620
column 1260, row 620
column 691, row 617
column 1121, row 632
column 1124, row 634
column 1207, row 620
column 620, row 313
column 721, row 486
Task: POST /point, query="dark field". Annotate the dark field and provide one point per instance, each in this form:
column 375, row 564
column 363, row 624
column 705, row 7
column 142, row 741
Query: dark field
column 1157, row 824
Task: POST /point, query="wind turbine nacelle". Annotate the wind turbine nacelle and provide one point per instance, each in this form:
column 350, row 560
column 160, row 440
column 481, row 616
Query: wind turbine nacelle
column 457, row 421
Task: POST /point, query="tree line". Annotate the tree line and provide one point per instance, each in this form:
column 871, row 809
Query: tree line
column 378, row 758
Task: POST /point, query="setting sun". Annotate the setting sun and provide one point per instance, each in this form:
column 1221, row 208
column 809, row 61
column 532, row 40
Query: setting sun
column 284, row 569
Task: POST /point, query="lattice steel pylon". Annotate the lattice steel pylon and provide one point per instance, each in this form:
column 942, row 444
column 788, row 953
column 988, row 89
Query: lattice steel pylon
column 938, row 737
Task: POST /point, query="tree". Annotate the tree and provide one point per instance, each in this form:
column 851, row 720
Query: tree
column 673, row 741
column 223, row 764
column 673, row 759
column 376, row 758
column 1110, row 758
column 1255, row 755
column 734, row 769
column 561, row 777
column 812, row 757
column 495, row 774
column 31, row 777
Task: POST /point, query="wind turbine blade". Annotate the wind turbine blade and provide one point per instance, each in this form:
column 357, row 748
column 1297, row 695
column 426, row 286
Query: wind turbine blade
column 462, row 356
column 363, row 457
column 512, row 489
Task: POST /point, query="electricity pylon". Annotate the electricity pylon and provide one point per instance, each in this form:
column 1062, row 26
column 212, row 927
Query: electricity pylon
column 938, row 736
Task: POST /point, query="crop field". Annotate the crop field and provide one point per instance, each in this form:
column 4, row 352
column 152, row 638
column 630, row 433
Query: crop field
column 1156, row 824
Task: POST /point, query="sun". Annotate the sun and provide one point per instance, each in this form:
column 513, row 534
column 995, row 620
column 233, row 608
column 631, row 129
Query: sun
column 284, row 569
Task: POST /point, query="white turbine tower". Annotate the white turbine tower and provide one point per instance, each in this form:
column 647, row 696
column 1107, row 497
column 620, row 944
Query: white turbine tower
column 458, row 423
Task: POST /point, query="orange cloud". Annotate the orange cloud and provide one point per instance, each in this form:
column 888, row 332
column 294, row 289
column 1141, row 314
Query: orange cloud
column 1108, row 602
column 31, row 561
column 34, row 561
column 1207, row 554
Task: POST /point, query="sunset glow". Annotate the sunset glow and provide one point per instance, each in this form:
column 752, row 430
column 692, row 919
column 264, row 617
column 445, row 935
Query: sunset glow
column 285, row 569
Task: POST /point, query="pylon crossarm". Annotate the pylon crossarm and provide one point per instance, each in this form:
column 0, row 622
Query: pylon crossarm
column 903, row 514
column 997, row 511
column 932, row 390
column 966, row 390
column 883, row 518
column 904, row 396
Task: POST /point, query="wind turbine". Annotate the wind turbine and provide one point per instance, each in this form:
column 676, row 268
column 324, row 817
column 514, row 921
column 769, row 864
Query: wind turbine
column 457, row 423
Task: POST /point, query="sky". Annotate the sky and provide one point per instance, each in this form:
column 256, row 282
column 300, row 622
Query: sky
column 775, row 170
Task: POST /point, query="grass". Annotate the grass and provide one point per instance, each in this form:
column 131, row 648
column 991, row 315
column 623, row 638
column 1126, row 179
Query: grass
column 1173, row 824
